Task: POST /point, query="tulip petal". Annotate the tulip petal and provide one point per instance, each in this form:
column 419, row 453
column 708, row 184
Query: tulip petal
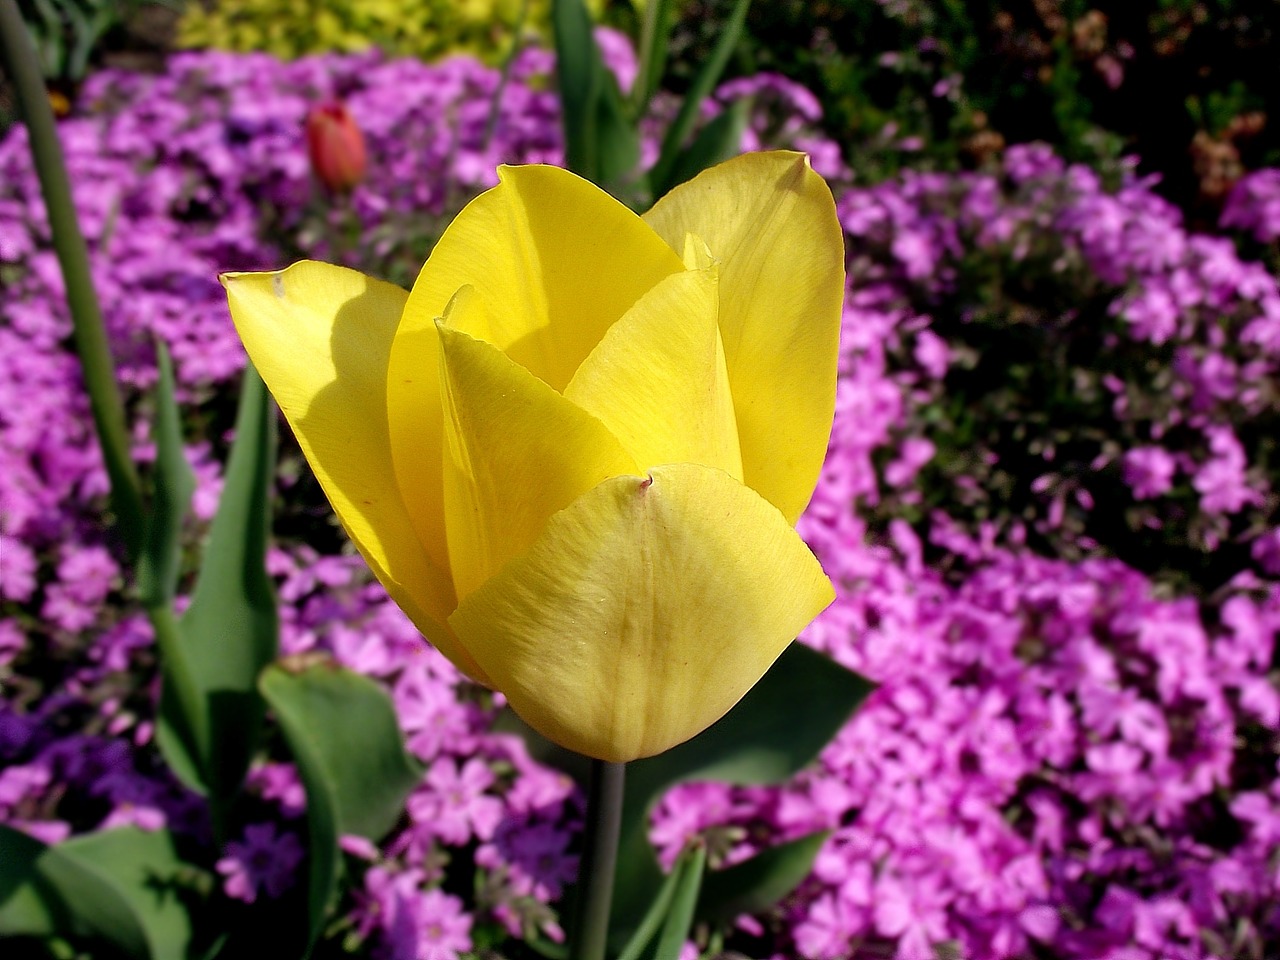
column 771, row 222
column 645, row 611
column 320, row 336
column 658, row 380
column 516, row 452
column 415, row 418
column 555, row 259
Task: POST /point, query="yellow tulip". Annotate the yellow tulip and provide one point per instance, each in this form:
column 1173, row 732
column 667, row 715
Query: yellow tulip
column 575, row 452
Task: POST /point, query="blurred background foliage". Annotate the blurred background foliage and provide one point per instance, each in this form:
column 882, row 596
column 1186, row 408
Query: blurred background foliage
column 1188, row 86
column 427, row 29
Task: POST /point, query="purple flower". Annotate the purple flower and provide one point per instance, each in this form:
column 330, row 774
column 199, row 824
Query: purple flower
column 534, row 857
column 264, row 862
column 415, row 924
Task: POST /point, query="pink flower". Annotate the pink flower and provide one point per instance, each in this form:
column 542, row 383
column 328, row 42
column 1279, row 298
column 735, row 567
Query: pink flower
column 1149, row 471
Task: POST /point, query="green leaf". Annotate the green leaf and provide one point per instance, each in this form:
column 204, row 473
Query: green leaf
column 230, row 630
column 173, row 482
column 755, row 885
column 618, row 141
column 680, row 917
column 600, row 142
column 706, row 80
column 28, row 905
column 124, row 888
column 579, row 83
column 718, row 140
column 342, row 730
column 776, row 730
column 654, row 35
column 653, row 919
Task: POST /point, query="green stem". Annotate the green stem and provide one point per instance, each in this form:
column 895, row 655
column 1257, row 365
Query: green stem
column 90, row 336
column 590, row 930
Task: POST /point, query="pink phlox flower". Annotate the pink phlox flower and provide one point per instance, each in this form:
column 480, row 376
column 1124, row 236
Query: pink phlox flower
column 1149, row 471
column 416, row 924
column 279, row 782
column 536, row 788
column 1254, row 205
column 1221, row 481
column 429, row 712
column 828, row 928
column 685, row 812
column 912, row 911
column 453, row 805
column 914, row 453
column 17, row 569
column 18, row 783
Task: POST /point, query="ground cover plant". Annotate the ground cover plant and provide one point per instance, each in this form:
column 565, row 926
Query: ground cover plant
column 1181, row 84
column 1048, row 506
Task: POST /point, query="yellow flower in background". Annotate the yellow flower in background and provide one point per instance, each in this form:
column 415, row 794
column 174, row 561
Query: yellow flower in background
column 575, row 453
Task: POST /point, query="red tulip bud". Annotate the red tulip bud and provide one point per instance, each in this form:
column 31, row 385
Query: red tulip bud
column 336, row 146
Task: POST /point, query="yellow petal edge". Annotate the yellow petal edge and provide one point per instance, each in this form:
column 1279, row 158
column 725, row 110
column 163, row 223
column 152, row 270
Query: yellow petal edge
column 771, row 222
column 320, row 336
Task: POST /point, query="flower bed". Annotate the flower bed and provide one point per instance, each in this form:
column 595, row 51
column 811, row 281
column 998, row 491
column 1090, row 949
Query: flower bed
column 1068, row 756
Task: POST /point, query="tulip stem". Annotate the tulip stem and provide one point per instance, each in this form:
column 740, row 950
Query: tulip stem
column 19, row 57
column 590, row 930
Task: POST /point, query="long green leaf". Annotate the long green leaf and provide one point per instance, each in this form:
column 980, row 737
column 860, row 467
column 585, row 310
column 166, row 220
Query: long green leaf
column 579, row 83
column 601, row 144
column 755, row 885
column 675, row 931
column 341, row 728
column 230, row 630
column 173, row 483
column 654, row 917
column 706, row 80
column 123, row 888
column 654, row 36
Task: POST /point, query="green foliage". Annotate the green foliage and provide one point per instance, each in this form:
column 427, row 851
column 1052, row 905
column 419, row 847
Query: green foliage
column 601, row 142
column 759, row 882
column 342, row 731
column 1187, row 85
column 602, row 130
column 674, row 165
column 427, row 29
column 68, row 33
column 173, row 483
column 122, row 889
column 210, row 711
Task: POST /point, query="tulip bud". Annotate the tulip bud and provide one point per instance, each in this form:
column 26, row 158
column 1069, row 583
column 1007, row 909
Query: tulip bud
column 336, row 146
